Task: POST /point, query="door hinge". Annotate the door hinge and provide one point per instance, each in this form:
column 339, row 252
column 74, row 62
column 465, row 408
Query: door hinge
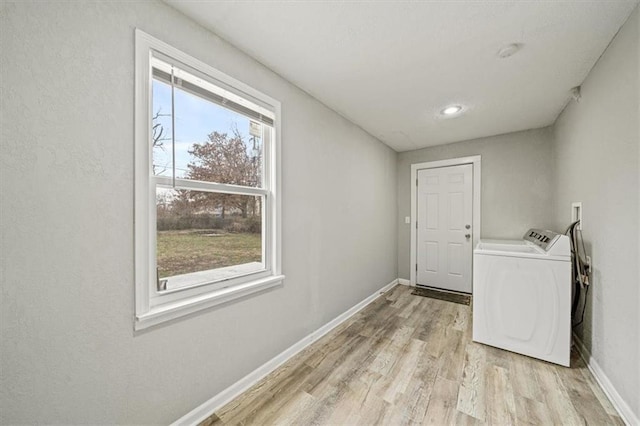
column 416, row 181
column 416, row 267
column 416, row 224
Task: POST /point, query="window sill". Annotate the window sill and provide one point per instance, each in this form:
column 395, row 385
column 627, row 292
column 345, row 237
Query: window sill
column 173, row 310
column 194, row 279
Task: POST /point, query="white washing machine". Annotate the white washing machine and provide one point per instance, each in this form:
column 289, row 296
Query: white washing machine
column 522, row 295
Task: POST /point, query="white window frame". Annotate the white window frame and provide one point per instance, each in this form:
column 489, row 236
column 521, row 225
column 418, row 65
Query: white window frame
column 153, row 307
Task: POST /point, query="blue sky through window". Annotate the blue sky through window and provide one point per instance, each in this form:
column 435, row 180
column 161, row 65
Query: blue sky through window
column 195, row 119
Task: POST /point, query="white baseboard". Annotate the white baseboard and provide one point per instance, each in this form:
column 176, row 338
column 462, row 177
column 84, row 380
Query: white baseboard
column 618, row 403
column 402, row 281
column 203, row 411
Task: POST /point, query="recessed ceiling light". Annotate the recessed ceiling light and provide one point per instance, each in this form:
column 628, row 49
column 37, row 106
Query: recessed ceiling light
column 509, row 50
column 451, row 110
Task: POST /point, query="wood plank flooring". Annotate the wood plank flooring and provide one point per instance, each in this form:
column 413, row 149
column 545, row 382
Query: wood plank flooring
column 407, row 359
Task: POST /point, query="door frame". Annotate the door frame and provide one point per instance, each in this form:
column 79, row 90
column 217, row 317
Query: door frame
column 475, row 160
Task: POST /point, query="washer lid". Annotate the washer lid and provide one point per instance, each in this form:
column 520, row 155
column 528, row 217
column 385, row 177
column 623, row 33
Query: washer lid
column 556, row 247
column 528, row 251
column 507, row 247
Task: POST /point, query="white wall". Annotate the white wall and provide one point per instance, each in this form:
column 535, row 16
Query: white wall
column 517, row 190
column 69, row 353
column 596, row 150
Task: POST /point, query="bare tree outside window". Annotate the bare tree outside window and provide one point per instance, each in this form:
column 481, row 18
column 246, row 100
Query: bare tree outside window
column 158, row 137
column 227, row 159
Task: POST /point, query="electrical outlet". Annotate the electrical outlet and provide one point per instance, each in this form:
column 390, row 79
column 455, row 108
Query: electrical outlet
column 407, row 219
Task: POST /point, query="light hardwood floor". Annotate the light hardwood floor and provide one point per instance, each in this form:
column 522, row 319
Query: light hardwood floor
column 408, row 359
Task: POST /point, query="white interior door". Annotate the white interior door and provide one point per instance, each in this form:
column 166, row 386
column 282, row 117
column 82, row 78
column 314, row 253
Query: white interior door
column 444, row 219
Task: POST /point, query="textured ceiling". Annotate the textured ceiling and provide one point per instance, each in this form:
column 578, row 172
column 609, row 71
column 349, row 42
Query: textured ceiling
column 390, row 67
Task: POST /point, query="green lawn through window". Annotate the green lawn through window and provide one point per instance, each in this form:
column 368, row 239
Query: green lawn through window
column 181, row 252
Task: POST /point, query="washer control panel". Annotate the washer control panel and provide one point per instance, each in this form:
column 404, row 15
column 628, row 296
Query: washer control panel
column 542, row 238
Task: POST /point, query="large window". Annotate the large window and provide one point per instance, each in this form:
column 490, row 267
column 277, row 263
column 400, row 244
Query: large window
column 207, row 215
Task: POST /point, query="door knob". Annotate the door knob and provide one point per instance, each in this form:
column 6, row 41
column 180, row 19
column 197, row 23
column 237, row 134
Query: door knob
column 467, row 226
column 467, row 236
